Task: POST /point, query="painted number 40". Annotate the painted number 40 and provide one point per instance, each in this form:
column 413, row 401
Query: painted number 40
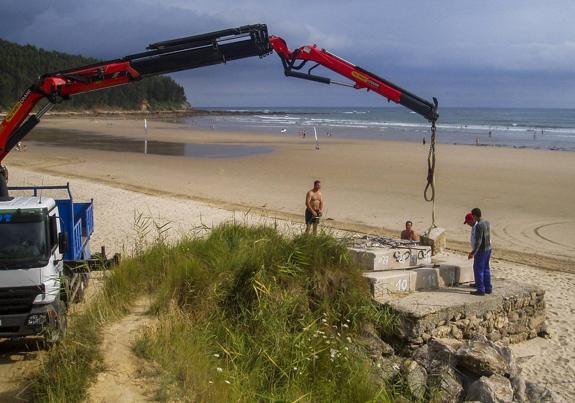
column 401, row 284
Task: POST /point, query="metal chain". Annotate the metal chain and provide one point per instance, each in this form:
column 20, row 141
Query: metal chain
column 430, row 187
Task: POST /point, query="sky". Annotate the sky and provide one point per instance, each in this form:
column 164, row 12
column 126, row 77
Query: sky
column 489, row 53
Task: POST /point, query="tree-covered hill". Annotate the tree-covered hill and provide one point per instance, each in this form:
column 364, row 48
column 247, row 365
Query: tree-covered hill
column 20, row 66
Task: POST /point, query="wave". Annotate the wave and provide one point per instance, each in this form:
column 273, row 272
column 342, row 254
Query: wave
column 293, row 119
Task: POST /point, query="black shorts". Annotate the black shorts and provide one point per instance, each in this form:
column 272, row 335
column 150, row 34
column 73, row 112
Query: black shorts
column 309, row 217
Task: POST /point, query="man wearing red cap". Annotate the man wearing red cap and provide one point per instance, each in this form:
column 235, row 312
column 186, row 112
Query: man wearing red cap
column 481, row 251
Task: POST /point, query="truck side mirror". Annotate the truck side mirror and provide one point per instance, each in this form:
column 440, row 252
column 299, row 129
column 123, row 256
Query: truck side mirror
column 53, row 231
column 63, row 242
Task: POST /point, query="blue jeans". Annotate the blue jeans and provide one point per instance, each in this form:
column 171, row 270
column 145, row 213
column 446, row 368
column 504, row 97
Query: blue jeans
column 481, row 271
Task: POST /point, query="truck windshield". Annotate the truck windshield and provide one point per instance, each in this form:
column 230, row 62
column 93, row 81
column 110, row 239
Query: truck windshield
column 23, row 243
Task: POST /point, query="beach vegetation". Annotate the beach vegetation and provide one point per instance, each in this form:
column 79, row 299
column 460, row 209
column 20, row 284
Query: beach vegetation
column 244, row 313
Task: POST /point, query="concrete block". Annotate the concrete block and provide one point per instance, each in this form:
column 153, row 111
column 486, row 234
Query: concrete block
column 465, row 274
column 387, row 282
column 429, row 278
column 391, row 258
column 384, row 283
column 436, row 238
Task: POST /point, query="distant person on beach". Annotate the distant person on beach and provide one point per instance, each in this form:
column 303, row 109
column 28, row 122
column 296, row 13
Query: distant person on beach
column 3, row 181
column 313, row 207
column 480, row 251
column 408, row 233
column 424, row 141
column 476, row 141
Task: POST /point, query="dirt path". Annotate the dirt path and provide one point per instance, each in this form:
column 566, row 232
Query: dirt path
column 17, row 359
column 122, row 379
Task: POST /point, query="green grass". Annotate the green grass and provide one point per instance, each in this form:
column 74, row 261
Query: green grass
column 244, row 314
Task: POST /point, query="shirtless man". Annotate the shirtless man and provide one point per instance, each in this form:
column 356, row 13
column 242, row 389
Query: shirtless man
column 313, row 207
column 408, row 233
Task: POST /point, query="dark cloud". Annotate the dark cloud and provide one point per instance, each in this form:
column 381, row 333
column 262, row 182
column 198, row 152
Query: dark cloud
column 488, row 53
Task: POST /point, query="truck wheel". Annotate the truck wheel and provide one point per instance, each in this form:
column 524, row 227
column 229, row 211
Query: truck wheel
column 56, row 330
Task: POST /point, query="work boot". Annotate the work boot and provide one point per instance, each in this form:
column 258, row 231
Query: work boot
column 478, row 293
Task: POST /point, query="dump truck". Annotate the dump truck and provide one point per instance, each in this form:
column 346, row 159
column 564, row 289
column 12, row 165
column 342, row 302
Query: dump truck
column 45, row 260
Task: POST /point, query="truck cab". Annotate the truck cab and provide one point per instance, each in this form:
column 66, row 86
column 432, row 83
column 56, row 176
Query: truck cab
column 44, row 250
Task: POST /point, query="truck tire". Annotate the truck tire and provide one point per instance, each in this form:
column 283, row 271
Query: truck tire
column 56, row 330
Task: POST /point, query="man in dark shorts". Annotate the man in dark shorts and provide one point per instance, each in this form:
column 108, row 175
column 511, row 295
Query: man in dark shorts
column 313, row 207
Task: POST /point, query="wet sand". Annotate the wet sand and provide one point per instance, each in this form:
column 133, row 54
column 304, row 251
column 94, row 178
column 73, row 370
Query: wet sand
column 370, row 185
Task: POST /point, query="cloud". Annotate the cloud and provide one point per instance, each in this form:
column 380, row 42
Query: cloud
column 456, row 49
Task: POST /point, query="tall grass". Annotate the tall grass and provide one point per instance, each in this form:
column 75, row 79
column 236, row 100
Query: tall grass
column 248, row 314
column 245, row 314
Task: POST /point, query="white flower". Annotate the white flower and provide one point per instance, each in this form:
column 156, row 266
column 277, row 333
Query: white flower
column 228, row 382
column 324, row 321
column 295, row 368
column 345, row 325
column 219, row 369
column 348, row 339
column 210, row 382
column 216, row 355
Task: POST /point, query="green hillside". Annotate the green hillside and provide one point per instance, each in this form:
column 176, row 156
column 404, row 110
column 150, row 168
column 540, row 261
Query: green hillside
column 20, row 66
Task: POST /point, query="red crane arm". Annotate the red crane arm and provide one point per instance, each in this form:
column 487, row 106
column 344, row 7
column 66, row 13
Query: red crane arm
column 162, row 57
column 56, row 88
column 294, row 61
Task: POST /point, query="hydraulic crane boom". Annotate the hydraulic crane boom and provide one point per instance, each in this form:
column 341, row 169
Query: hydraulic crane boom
column 296, row 60
column 190, row 53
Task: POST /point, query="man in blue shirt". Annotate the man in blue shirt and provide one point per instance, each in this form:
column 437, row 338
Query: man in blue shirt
column 480, row 252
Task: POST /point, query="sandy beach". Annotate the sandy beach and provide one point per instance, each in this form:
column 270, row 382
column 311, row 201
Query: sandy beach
column 369, row 185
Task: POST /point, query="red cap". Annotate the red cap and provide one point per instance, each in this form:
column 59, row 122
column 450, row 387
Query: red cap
column 468, row 217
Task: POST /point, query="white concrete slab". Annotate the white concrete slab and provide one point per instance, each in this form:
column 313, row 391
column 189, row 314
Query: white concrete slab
column 382, row 258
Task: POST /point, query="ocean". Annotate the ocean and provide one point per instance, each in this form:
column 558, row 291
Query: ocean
column 552, row 129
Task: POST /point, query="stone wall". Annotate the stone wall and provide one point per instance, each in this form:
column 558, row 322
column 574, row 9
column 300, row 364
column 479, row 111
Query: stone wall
column 513, row 313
